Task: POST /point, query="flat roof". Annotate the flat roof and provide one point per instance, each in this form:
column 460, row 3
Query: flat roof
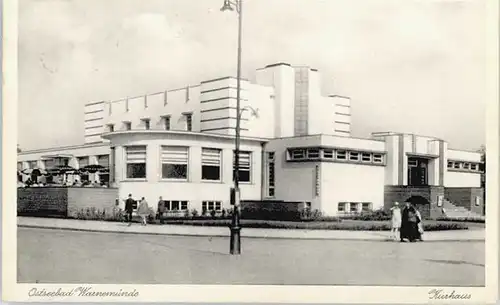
column 180, row 132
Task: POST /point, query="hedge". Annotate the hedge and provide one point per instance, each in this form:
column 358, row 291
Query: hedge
column 316, row 225
column 462, row 219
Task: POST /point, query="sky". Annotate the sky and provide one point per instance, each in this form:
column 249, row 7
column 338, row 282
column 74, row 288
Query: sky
column 408, row 66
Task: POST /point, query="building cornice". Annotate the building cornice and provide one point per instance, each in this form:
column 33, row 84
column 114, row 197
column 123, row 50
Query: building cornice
column 113, row 134
column 58, row 148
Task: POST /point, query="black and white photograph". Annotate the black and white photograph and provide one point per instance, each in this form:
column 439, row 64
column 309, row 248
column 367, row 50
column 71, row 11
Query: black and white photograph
column 251, row 144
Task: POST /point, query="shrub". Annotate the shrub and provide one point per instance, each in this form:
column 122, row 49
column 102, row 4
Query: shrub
column 203, row 211
column 212, row 213
column 223, row 213
column 463, row 219
column 377, row 215
column 187, row 213
column 194, row 213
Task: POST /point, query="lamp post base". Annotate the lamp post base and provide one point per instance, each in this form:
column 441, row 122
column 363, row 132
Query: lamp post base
column 235, row 241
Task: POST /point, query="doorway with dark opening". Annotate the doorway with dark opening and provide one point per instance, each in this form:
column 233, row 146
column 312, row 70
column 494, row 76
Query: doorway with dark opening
column 417, row 171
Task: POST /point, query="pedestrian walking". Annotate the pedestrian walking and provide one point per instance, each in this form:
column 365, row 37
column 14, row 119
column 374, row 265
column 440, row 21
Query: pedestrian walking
column 129, row 208
column 143, row 211
column 161, row 209
column 420, row 226
column 395, row 220
column 409, row 224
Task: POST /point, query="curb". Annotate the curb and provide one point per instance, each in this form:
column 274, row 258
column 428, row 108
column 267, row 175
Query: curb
column 218, row 235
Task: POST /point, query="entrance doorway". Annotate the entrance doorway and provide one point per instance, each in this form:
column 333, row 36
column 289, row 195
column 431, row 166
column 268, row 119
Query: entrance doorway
column 417, row 171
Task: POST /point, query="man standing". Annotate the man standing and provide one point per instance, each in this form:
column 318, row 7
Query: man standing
column 129, row 208
column 161, row 209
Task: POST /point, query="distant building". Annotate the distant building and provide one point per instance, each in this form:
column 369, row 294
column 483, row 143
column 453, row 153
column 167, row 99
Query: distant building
column 296, row 146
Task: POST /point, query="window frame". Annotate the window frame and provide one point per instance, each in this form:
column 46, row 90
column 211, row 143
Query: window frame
column 312, row 155
column 356, row 154
column 147, row 123
column 166, row 122
column 162, row 178
column 220, row 162
column 328, row 153
column 189, row 121
column 270, row 183
column 127, row 162
column 341, row 152
column 250, row 167
column 378, row 158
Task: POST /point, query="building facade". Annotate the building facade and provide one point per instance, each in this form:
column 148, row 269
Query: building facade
column 296, row 145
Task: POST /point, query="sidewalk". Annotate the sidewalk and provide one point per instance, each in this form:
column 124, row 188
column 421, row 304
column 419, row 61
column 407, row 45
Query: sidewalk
column 118, row 227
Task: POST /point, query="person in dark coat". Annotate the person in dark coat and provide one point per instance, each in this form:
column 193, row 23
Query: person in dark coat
column 409, row 224
column 161, row 209
column 129, row 208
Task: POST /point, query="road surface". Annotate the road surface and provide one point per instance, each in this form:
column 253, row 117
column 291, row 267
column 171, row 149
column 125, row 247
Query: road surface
column 54, row 256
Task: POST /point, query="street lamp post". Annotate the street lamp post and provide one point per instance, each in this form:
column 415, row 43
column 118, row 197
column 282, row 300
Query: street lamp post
column 235, row 243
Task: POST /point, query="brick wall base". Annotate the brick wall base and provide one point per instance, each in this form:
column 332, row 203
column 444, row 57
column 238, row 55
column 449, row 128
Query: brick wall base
column 425, row 198
column 466, row 197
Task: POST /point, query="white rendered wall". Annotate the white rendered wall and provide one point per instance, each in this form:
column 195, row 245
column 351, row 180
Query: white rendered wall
column 282, row 78
column 351, row 183
column 194, row 189
column 461, row 179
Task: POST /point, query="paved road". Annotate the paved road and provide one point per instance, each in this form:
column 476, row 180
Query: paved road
column 53, row 256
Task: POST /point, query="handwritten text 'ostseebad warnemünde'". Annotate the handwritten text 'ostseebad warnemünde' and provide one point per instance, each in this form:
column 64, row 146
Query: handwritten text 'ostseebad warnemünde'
column 80, row 292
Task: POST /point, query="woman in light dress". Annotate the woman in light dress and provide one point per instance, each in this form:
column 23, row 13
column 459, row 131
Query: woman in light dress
column 143, row 211
column 395, row 220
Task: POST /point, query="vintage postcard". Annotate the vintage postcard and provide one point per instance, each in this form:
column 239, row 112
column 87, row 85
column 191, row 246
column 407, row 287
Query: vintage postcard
column 279, row 151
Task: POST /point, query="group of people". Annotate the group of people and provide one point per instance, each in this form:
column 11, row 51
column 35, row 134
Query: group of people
column 143, row 209
column 406, row 221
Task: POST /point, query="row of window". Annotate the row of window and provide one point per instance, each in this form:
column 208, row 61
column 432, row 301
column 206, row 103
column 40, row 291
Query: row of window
column 165, row 122
column 297, row 154
column 461, row 165
column 175, row 163
column 354, row 207
column 102, row 160
column 183, row 205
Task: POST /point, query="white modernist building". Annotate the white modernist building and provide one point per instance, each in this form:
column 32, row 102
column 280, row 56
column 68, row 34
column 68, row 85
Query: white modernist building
column 296, row 146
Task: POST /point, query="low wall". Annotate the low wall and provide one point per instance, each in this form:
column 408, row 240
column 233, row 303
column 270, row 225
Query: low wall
column 393, row 193
column 42, row 202
column 84, row 200
column 466, row 197
column 65, row 201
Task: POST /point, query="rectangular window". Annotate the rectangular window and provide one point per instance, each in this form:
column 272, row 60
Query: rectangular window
column 83, row 161
column 354, row 156
column 32, row 164
column 341, row 155
column 211, row 205
column 354, row 207
column 211, row 164
column 341, row 206
column 378, row 158
column 450, row 164
column 366, row 157
column 103, row 160
column 189, row 121
column 270, row 174
column 475, row 167
column 111, row 127
column 412, row 163
column 147, row 123
column 297, row 154
column 136, row 162
column 174, row 162
column 467, row 166
column 127, row 125
column 457, row 165
column 176, row 205
column 313, row 153
column 328, row 153
column 244, row 166
column 366, row 207
column 166, row 122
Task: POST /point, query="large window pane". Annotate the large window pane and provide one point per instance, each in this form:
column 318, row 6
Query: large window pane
column 136, row 161
column 174, row 171
column 210, row 164
column 174, row 161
